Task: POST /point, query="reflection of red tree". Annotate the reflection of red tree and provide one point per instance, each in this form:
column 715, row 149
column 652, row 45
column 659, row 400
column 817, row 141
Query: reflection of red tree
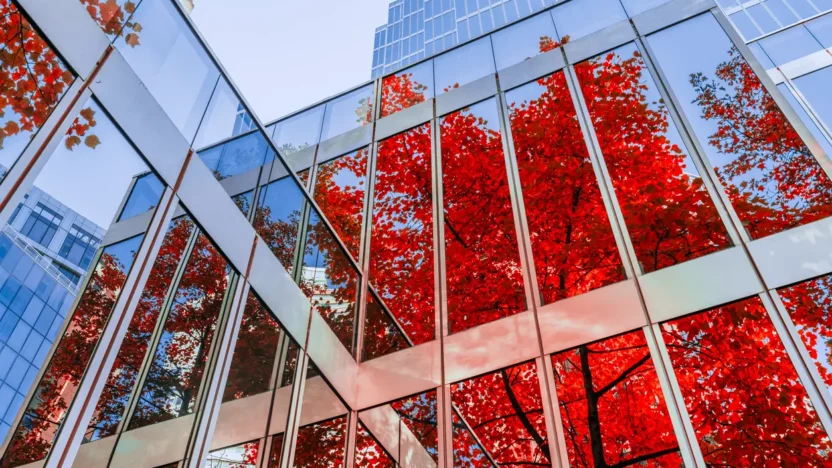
column 343, row 204
column 33, row 438
column 321, row 445
column 113, row 401
column 810, row 307
column 368, row 452
column 612, row 407
column 745, row 399
column 418, row 414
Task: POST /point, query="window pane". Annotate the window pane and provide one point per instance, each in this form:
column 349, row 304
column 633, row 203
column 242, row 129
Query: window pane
column 31, row 86
column 339, row 192
column 669, row 213
column 635, row 7
column 804, row 117
column 171, row 63
column 810, row 309
column 32, row 440
column 277, row 449
column 348, row 112
column 330, row 281
column 524, row 40
column 241, row 456
column 791, row 44
column 298, row 132
column 611, row 405
column 382, row 335
column 407, row 88
column 146, row 193
column 815, row 88
column 238, row 155
column 174, row 378
column 128, row 363
column 821, row 28
column 741, row 389
column 484, row 278
column 772, row 179
column 417, row 415
column 407, row 428
column 579, row 18
column 401, row 259
column 225, row 117
column 322, row 437
column 505, row 412
column 744, row 25
column 112, row 15
column 277, row 219
column 254, row 353
column 368, row 452
column 463, row 65
column 572, row 243
column 243, row 201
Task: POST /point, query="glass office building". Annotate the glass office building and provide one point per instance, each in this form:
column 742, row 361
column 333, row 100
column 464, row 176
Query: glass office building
column 599, row 236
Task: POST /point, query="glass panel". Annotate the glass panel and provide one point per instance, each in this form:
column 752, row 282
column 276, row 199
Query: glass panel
column 243, row 201
column 667, row 209
column 410, row 425
column 579, row 18
column 241, row 456
column 298, row 132
column 407, row 88
column 111, row 15
column 277, row 449
column 762, row 18
column 821, row 28
column 31, row 86
column 524, row 40
column 772, row 179
column 741, row 390
column 572, row 243
column 175, row 376
column 810, row 307
column 330, row 281
column 368, row 452
column 128, row 363
column 254, row 353
column 791, row 44
column 238, row 156
column 322, row 437
column 146, row 193
column 171, row 63
column 504, row 410
column 484, row 278
column 348, row 112
column 382, row 335
column 761, row 55
column 32, row 440
column 634, row 7
column 463, row 65
column 815, row 88
column 612, row 407
column 744, row 25
column 339, row 192
column 277, row 219
column 401, row 259
column 804, row 117
column 225, row 117
column 780, row 11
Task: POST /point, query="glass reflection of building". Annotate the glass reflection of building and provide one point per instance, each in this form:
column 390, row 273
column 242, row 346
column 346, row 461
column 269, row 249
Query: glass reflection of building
column 594, row 234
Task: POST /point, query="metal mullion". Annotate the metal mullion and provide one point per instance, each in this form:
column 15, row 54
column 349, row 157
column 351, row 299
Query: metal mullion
column 352, row 431
column 277, row 375
column 287, row 456
column 615, row 217
column 444, row 427
column 818, row 395
column 365, row 244
column 557, row 436
column 686, row 128
column 687, row 443
column 156, row 336
column 670, row 387
column 807, row 106
column 725, row 211
column 440, row 282
column 204, row 111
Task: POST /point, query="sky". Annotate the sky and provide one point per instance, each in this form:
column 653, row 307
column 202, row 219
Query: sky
column 282, row 54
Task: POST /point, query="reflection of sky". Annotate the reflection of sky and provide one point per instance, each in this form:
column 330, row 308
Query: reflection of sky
column 347, row 112
column 801, row 113
column 15, row 144
column 299, row 131
column 219, row 119
column 581, row 17
column 92, row 181
column 283, row 198
column 125, row 251
column 521, row 41
column 463, row 65
column 815, row 87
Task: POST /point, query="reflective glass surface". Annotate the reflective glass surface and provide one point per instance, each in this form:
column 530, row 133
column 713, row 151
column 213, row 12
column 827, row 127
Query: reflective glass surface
column 322, row 437
column 277, row 219
column 668, row 212
column 809, row 305
column 329, row 280
column 237, row 156
column 124, row 375
column 407, row 88
column 368, row 452
column 579, row 18
column 821, row 28
column 146, row 193
column 635, row 7
column 240, row 456
column 804, row 117
column 382, row 335
column 243, row 201
column 409, row 424
column 113, row 15
column 612, row 406
column 815, row 88
column 225, row 117
column 401, row 246
column 524, row 40
column 254, row 353
column 463, row 65
column 572, row 242
column 347, row 112
column 175, row 375
column 744, row 397
column 771, row 178
column 277, row 450
column 504, row 410
column 32, row 80
column 339, row 192
column 171, row 63
column 484, row 277
column 298, row 132
column 791, row 44
column 32, row 440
